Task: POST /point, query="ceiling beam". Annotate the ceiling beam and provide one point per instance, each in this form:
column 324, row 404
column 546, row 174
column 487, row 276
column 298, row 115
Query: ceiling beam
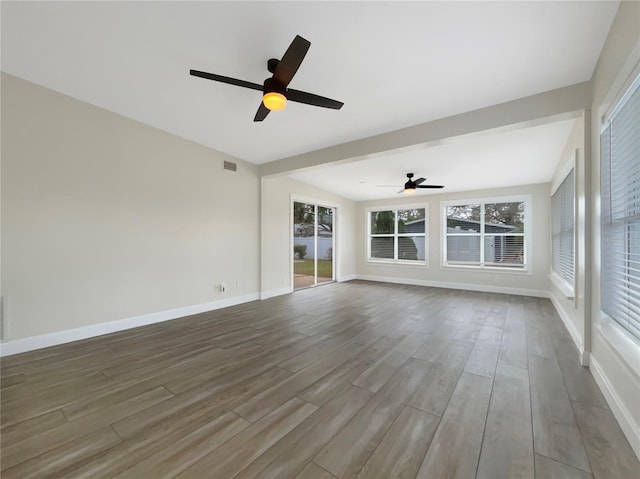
column 553, row 105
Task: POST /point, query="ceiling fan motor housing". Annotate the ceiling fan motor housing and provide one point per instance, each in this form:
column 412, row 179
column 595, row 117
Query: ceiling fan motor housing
column 410, row 185
column 272, row 64
column 271, row 85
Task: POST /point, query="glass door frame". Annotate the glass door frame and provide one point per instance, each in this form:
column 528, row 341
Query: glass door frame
column 316, row 203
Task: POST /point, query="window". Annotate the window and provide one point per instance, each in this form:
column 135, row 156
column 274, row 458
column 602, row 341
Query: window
column 397, row 235
column 620, row 213
column 562, row 230
column 486, row 233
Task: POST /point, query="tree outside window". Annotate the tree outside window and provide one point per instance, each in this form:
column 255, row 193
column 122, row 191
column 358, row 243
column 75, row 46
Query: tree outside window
column 486, row 234
column 397, row 235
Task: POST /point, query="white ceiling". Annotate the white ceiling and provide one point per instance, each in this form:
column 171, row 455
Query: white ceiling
column 510, row 157
column 394, row 64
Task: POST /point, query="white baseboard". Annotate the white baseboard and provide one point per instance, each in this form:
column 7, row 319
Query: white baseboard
column 629, row 427
column 485, row 288
column 22, row 345
column 275, row 292
column 578, row 341
column 280, row 291
column 348, row 277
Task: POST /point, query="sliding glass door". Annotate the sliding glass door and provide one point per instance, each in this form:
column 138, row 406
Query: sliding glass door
column 313, row 244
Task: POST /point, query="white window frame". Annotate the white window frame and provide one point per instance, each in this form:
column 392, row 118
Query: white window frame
column 528, row 213
column 567, row 288
column 625, row 342
column 396, row 235
column 616, row 337
column 294, row 198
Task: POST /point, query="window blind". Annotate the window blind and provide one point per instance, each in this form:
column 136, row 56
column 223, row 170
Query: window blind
column 620, row 213
column 397, row 235
column 562, row 229
column 485, row 234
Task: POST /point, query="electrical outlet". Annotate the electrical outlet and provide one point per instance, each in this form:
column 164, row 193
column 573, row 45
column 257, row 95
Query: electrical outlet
column 222, row 287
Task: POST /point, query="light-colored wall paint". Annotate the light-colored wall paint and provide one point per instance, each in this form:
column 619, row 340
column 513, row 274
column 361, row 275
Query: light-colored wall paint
column 537, row 281
column 277, row 249
column 617, row 358
column 572, row 310
column 104, row 218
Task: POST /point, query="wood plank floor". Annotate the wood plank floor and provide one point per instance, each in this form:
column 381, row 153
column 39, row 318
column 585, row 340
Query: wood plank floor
column 353, row 380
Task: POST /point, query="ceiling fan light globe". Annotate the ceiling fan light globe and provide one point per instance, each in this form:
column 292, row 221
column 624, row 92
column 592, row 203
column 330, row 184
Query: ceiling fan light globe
column 274, row 100
column 409, row 191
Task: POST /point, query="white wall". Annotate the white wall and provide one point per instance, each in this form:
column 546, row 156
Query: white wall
column 573, row 311
column 277, row 246
column 615, row 358
column 535, row 283
column 104, row 218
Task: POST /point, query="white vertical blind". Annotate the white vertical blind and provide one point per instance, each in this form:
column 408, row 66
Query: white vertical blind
column 620, row 213
column 562, row 230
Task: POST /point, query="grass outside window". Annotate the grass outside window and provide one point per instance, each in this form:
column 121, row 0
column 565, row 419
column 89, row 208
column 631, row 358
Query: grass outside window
column 305, row 267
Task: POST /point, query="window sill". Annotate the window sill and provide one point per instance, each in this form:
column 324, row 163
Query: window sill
column 414, row 264
column 488, row 269
column 621, row 342
column 564, row 287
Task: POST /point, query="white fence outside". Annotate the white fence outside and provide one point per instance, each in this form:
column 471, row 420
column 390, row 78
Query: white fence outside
column 324, row 247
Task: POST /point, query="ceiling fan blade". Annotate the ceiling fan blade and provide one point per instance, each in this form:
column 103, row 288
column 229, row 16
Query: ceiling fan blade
column 420, row 180
column 430, row 186
column 387, row 186
column 311, row 99
column 402, row 190
column 262, row 112
column 291, row 60
column 223, row 79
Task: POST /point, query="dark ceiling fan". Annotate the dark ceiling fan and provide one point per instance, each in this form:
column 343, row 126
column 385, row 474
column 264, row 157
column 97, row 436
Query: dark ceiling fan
column 410, row 186
column 274, row 89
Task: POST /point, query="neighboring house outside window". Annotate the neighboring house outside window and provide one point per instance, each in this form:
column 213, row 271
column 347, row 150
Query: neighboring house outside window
column 397, row 234
column 486, row 233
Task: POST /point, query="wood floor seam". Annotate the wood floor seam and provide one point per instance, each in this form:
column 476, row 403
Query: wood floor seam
column 359, row 387
column 571, row 403
column 116, row 432
column 328, row 472
column 591, row 405
column 426, row 412
column 63, row 413
column 308, row 401
column 482, row 441
column 570, row 466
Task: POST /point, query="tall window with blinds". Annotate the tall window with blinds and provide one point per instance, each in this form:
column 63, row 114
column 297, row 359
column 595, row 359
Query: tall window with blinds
column 620, row 213
column 562, row 230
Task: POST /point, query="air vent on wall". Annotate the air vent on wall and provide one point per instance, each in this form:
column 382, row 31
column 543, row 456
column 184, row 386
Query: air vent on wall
column 230, row 165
